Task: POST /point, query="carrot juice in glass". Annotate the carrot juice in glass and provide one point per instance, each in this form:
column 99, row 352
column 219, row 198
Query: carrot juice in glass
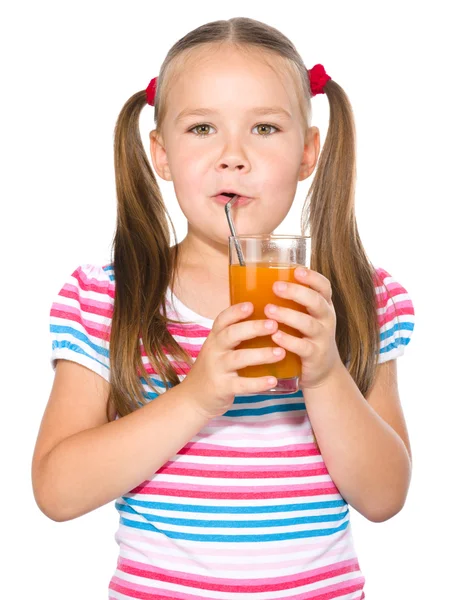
column 267, row 258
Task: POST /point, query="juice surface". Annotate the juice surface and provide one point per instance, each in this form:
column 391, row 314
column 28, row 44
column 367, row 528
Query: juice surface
column 253, row 283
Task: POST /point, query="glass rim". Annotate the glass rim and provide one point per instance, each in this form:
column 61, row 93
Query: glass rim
column 258, row 236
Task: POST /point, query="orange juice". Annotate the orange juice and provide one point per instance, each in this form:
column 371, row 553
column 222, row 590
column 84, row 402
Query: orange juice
column 254, row 283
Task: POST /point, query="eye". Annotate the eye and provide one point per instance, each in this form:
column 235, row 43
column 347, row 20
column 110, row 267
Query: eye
column 200, row 125
column 204, row 125
column 267, row 125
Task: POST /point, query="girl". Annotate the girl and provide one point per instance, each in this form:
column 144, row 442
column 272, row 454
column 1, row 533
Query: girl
column 224, row 490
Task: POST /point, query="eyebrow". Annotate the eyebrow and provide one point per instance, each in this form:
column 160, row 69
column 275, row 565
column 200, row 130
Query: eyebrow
column 261, row 110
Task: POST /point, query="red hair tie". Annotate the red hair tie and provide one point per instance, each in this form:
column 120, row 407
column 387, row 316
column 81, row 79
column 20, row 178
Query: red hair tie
column 151, row 91
column 317, row 80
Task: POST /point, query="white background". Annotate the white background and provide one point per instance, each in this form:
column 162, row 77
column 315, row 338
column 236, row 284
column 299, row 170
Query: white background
column 67, row 69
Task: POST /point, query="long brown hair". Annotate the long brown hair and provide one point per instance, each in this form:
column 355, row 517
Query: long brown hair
column 145, row 264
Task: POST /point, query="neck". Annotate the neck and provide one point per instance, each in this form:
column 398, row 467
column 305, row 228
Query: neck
column 205, row 256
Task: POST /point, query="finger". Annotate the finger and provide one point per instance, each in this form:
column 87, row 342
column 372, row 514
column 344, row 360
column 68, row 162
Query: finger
column 246, row 357
column 254, row 385
column 315, row 281
column 231, row 315
column 247, row 330
column 301, row 346
column 315, row 303
column 304, row 323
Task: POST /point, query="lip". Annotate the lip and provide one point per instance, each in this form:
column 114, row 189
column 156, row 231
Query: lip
column 241, row 201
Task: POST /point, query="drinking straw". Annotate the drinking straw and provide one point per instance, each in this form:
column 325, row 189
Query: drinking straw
column 228, row 206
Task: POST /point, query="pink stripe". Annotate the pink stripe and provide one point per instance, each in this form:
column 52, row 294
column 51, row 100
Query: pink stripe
column 381, row 280
column 150, row 487
column 146, row 593
column 179, row 366
column 69, row 312
column 200, row 467
column 221, row 584
column 391, row 289
column 401, row 305
column 88, row 325
column 92, row 284
column 100, row 304
column 326, row 488
column 188, row 330
column 192, row 349
column 401, row 308
column 242, row 472
column 331, row 570
column 202, row 449
column 98, row 308
column 192, row 353
column 153, row 593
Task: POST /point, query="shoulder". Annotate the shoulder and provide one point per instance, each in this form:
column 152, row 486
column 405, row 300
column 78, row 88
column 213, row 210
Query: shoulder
column 395, row 311
column 90, row 281
column 96, row 278
column 81, row 316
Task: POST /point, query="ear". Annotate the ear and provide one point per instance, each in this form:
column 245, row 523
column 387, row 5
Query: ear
column 310, row 153
column 159, row 156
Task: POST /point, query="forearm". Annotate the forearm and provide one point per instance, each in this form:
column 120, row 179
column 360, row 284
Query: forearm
column 366, row 459
column 96, row 466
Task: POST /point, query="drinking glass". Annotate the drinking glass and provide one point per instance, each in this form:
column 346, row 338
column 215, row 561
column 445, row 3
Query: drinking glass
column 255, row 263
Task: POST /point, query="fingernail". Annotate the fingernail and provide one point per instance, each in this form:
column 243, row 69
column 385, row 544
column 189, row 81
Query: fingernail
column 281, row 286
column 301, row 272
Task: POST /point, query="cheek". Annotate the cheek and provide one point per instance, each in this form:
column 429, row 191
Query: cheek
column 187, row 169
column 279, row 180
column 281, row 165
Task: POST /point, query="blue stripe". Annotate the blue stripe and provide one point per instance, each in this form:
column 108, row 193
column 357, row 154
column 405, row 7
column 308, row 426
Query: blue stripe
column 271, row 537
column 77, row 349
column 237, row 399
column 234, row 509
column 79, row 336
column 110, row 272
column 236, row 524
column 157, row 382
column 395, row 344
column 261, row 397
column 397, row 327
column 265, row 410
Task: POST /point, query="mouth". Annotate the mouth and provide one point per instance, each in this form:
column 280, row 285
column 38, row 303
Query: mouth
column 224, row 197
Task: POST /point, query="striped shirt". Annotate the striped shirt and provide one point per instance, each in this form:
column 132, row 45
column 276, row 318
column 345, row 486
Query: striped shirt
column 247, row 508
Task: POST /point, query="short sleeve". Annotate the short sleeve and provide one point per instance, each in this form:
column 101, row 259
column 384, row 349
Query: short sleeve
column 395, row 316
column 80, row 319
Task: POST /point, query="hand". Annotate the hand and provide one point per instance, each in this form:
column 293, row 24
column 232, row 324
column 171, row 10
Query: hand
column 317, row 346
column 212, row 381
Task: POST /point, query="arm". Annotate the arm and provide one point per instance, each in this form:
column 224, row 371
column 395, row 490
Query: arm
column 81, row 461
column 364, row 442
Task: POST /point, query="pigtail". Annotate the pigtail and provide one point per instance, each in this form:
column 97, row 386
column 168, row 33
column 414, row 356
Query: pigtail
column 337, row 251
column 143, row 266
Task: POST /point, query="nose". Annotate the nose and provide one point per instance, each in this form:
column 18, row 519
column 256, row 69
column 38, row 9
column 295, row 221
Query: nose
column 233, row 158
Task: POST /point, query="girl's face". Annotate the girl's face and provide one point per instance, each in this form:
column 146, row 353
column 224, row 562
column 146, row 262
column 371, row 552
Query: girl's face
column 232, row 144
